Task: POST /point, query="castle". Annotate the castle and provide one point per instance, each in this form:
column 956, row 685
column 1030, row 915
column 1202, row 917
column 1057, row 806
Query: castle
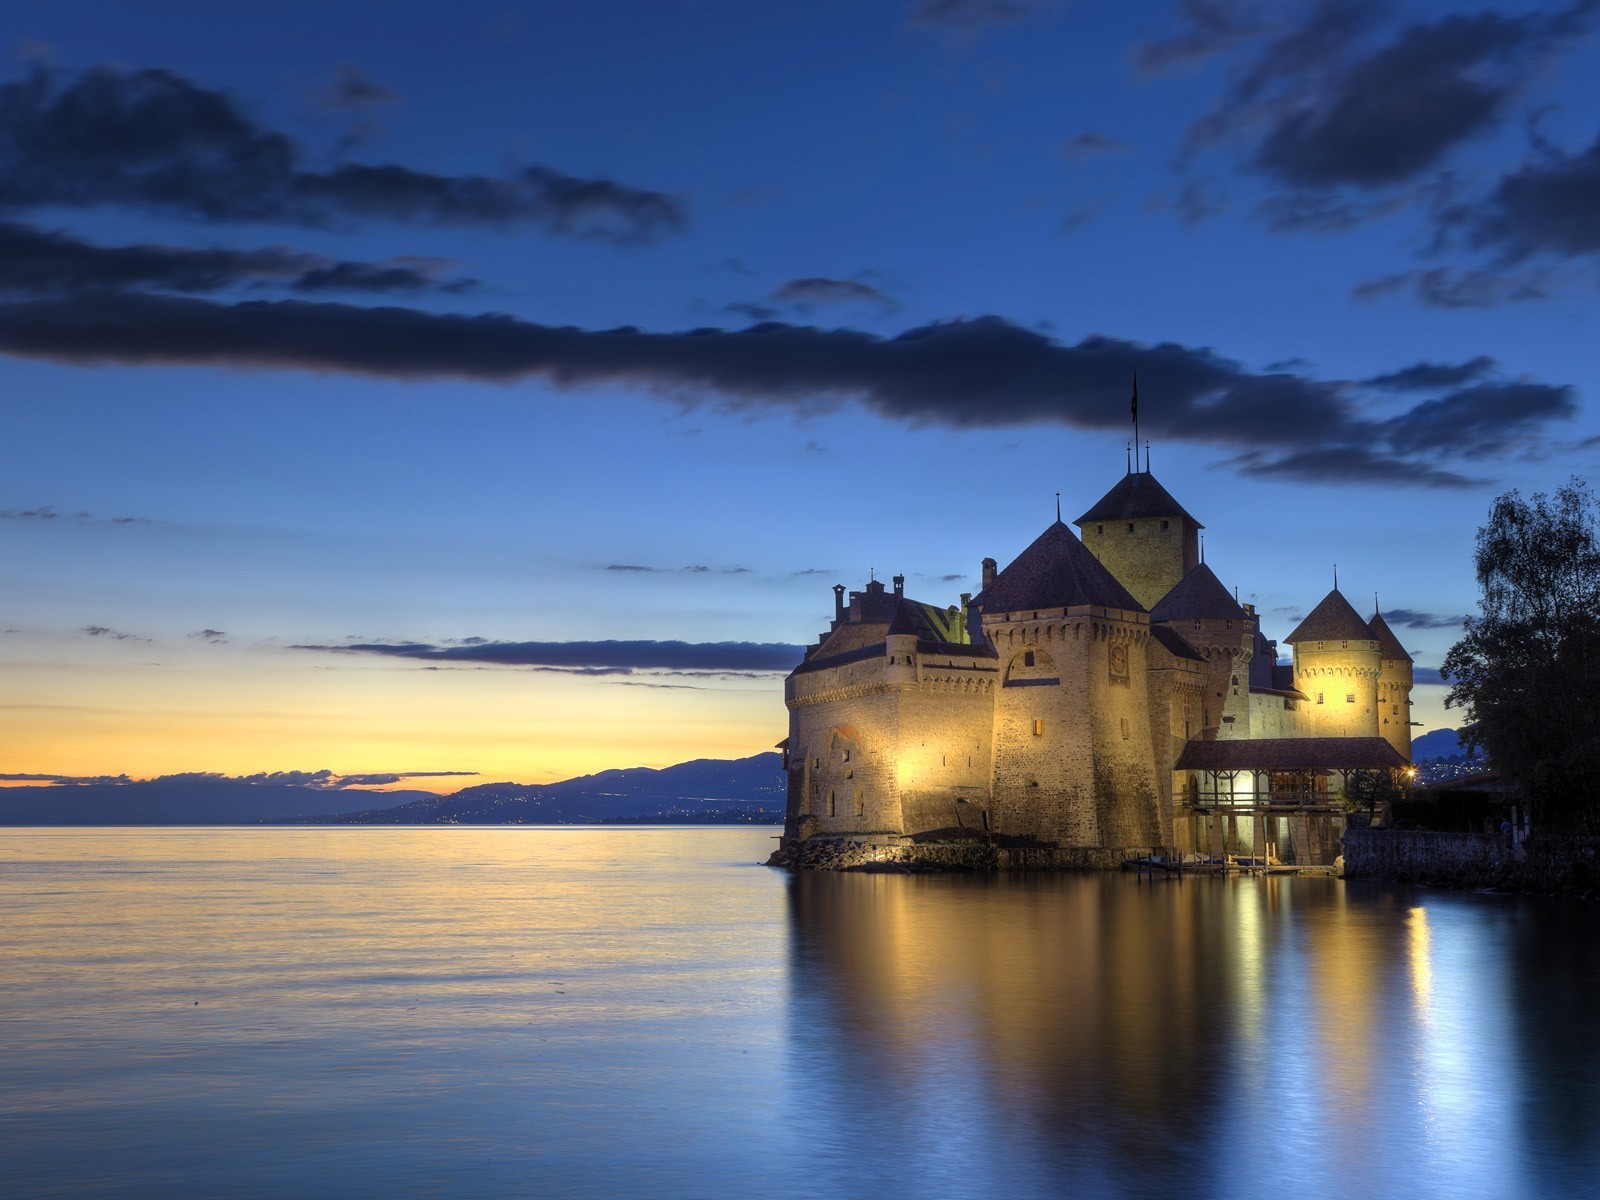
column 1103, row 695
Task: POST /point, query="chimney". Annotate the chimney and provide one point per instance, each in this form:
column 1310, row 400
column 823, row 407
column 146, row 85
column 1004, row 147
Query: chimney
column 838, row 602
column 988, row 572
column 899, row 585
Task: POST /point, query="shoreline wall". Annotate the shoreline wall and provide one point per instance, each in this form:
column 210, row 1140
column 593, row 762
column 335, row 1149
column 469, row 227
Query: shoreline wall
column 892, row 855
column 1569, row 866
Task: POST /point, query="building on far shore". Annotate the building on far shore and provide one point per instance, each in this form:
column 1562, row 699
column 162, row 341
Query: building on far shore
column 1105, row 693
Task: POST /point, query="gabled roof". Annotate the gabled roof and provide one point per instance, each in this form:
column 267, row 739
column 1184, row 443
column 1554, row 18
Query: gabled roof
column 1136, row 494
column 928, row 623
column 1198, row 595
column 1175, row 644
column 1333, row 620
column 1388, row 645
column 1056, row 571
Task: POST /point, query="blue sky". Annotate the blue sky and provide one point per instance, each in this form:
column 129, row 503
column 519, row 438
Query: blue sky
column 964, row 223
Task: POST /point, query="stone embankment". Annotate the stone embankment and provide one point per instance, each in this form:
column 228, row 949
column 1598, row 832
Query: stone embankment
column 1547, row 865
column 899, row 856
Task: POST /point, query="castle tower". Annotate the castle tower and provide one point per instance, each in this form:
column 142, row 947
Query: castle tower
column 1337, row 664
column 1143, row 536
column 1394, row 686
column 1072, row 760
column 1204, row 613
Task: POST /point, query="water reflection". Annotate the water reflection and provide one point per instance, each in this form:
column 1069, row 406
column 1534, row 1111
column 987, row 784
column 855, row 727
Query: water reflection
column 1205, row 1038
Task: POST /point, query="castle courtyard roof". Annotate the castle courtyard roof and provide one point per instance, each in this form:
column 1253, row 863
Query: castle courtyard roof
column 1289, row 754
column 1388, row 645
column 1136, row 494
column 1056, row 571
column 1198, row 595
column 1332, row 620
column 937, row 630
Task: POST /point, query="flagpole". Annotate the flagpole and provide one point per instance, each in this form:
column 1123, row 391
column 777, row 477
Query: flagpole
column 1135, row 411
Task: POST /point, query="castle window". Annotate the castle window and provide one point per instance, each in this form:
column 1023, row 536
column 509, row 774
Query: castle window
column 1350, row 698
column 1027, row 658
column 1130, row 526
column 1319, row 697
column 1126, row 733
column 1344, row 645
column 1163, row 527
column 861, row 804
column 833, row 804
column 1197, row 623
column 1099, row 529
column 1230, row 622
column 847, row 756
column 1038, row 728
column 1395, row 709
column 1235, row 681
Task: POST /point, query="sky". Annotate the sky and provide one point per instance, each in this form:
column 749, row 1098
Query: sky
column 501, row 388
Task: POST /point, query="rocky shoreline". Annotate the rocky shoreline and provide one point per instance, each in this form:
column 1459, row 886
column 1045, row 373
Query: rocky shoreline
column 887, row 855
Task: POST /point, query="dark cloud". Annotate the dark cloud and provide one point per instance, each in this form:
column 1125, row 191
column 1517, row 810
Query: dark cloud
column 1319, row 212
column 596, row 657
column 39, row 262
column 1195, row 201
column 46, row 512
column 1335, row 111
column 1413, row 618
column 1448, row 287
column 1089, row 144
column 210, row 635
column 323, row 780
column 115, row 635
column 694, row 569
column 1551, row 205
column 983, row 372
column 151, row 139
column 1205, row 28
column 1426, row 675
column 1482, row 419
column 348, row 87
column 973, row 16
column 819, row 290
column 1430, row 376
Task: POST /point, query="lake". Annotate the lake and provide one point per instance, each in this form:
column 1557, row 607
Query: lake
column 624, row 1011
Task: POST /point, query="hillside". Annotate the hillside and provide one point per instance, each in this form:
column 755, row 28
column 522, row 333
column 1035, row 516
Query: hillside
column 174, row 802
column 706, row 788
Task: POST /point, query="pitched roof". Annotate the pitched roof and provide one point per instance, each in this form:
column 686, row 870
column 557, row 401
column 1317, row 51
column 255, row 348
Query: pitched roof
column 928, row 623
column 1388, row 645
column 937, row 630
column 1199, row 594
column 1056, row 571
column 1136, row 494
column 1289, row 754
column 1175, row 644
column 1332, row 620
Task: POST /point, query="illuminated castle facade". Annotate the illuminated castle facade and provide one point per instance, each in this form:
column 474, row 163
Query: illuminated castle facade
column 1103, row 692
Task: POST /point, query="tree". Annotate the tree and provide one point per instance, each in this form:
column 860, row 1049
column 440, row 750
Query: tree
column 1373, row 790
column 1527, row 671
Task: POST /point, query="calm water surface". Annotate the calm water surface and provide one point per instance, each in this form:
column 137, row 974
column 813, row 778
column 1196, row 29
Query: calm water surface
column 419, row 1012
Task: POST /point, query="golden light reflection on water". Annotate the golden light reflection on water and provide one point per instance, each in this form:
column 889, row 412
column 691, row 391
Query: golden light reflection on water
column 518, row 1011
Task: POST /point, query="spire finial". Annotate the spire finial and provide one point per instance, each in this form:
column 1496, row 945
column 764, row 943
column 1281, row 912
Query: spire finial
column 1130, row 458
column 1147, row 458
column 1336, row 577
column 872, row 574
column 1134, row 410
column 1058, row 508
column 1202, row 547
column 1376, row 611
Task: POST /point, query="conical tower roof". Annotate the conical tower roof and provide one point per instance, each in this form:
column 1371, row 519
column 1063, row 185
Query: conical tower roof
column 1056, row 571
column 1198, row 595
column 1388, row 644
column 1332, row 620
column 1136, row 495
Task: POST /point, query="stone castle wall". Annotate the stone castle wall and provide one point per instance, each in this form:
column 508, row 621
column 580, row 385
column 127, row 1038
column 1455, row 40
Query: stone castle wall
column 1346, row 680
column 1146, row 558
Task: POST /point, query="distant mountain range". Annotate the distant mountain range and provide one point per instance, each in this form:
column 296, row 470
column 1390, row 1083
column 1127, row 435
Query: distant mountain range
column 1441, row 743
column 713, row 791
